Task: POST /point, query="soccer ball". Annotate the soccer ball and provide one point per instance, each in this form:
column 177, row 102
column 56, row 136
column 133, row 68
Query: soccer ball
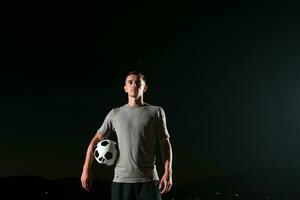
column 106, row 152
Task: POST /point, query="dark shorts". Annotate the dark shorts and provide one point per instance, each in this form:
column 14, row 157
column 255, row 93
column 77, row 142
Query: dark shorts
column 135, row 191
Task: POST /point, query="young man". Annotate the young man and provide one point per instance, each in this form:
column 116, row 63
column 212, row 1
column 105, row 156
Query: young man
column 137, row 125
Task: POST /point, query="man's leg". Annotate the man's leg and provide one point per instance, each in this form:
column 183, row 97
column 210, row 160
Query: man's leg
column 149, row 191
column 122, row 191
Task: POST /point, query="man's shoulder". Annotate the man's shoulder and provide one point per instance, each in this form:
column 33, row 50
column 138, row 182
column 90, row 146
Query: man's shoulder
column 148, row 106
column 155, row 108
column 117, row 109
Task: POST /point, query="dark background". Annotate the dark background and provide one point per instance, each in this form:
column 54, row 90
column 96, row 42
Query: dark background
column 227, row 75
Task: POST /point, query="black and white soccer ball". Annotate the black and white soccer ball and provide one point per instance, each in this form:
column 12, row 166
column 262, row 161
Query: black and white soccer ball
column 106, row 152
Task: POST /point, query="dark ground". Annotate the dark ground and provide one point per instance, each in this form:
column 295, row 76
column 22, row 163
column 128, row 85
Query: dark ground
column 253, row 185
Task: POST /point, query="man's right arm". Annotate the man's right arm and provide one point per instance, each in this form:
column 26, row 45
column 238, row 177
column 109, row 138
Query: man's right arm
column 86, row 176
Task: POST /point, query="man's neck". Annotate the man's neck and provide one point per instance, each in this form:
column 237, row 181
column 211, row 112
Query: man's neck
column 135, row 101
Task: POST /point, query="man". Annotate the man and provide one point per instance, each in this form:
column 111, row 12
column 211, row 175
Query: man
column 137, row 125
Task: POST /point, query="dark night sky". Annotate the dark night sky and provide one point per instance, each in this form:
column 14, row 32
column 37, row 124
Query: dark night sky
column 226, row 74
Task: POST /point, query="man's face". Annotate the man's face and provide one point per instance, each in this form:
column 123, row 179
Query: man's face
column 135, row 86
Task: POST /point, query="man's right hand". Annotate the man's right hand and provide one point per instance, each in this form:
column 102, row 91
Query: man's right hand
column 86, row 176
column 86, row 179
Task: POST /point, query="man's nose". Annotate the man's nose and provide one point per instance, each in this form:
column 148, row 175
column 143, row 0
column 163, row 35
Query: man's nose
column 134, row 84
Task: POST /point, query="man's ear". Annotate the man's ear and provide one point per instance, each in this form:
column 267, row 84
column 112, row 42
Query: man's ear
column 145, row 88
column 125, row 89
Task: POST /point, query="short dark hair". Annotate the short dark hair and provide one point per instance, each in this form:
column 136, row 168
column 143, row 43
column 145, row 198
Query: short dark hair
column 137, row 73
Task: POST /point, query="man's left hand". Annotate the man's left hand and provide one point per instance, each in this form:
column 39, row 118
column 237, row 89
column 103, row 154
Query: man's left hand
column 165, row 183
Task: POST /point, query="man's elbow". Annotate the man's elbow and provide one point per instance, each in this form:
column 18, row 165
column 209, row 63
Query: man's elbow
column 165, row 142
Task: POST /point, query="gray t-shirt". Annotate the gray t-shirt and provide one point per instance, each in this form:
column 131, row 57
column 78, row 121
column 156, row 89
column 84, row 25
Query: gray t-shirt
column 137, row 129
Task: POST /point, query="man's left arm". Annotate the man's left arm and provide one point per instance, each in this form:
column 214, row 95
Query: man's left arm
column 166, row 180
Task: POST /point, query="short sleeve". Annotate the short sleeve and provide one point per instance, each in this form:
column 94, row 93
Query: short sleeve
column 161, row 125
column 108, row 126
